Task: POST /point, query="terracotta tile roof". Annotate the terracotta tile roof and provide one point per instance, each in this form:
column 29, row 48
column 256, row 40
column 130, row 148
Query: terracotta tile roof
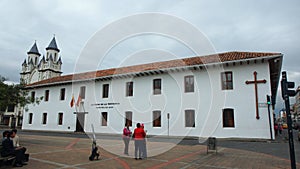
column 199, row 60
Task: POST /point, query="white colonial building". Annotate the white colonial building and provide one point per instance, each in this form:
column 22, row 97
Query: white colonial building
column 221, row 95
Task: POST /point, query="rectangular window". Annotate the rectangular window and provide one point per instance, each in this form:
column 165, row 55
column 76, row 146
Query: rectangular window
column 228, row 118
column 226, row 78
column 82, row 92
column 11, row 108
column 30, row 118
column 188, row 84
column 60, row 118
column 44, row 118
column 129, row 89
column 46, row 95
column 156, row 119
column 189, row 118
column 156, row 86
column 105, row 89
column 128, row 118
column 104, row 119
column 32, row 96
column 62, row 93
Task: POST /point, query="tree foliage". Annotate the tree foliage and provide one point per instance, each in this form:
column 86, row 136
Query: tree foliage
column 12, row 95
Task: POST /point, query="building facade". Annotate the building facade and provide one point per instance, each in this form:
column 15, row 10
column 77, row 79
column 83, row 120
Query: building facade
column 12, row 116
column 221, row 95
column 296, row 106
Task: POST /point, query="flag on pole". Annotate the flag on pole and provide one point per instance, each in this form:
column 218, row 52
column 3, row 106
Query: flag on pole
column 72, row 101
column 94, row 135
column 78, row 100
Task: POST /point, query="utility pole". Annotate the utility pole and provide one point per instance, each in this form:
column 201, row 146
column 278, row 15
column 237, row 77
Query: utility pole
column 286, row 93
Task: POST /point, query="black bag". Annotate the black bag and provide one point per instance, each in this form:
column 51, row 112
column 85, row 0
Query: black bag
column 94, row 154
column 26, row 157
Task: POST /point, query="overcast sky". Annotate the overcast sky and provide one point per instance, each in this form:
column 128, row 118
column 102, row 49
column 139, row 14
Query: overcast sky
column 231, row 25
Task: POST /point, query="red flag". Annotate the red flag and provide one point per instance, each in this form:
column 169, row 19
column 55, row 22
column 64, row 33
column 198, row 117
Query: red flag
column 78, row 101
column 72, row 101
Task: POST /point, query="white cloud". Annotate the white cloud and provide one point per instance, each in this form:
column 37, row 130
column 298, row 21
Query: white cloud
column 10, row 82
column 294, row 77
column 231, row 25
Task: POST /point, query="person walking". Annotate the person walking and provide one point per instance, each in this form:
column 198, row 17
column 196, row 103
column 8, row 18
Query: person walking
column 126, row 138
column 276, row 129
column 139, row 136
column 280, row 128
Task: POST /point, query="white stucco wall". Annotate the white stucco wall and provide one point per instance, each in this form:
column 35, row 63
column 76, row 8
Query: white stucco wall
column 208, row 100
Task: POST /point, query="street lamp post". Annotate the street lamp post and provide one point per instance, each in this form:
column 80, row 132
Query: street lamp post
column 270, row 123
column 168, row 117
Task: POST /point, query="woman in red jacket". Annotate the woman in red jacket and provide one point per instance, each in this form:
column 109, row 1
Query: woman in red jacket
column 139, row 136
column 126, row 138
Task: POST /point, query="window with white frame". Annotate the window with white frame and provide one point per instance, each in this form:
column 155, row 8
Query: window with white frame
column 189, row 84
column 189, row 118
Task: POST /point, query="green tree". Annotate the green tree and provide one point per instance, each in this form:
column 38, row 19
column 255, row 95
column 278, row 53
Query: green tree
column 12, row 95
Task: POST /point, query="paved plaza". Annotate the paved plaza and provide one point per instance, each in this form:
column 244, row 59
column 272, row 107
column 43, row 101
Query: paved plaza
column 72, row 152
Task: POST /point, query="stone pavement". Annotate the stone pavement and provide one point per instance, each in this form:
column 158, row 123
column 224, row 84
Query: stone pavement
column 47, row 152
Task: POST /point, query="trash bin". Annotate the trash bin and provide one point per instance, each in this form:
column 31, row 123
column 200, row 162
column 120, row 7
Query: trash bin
column 212, row 144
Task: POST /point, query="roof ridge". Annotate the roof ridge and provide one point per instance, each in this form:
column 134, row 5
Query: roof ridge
column 191, row 61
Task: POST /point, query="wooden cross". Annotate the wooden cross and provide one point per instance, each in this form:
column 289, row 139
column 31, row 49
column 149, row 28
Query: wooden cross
column 255, row 82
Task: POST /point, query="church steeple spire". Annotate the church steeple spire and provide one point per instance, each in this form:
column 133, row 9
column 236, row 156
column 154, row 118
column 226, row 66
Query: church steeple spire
column 34, row 69
column 34, row 50
column 53, row 45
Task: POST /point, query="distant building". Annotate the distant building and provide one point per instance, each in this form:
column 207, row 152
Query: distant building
column 184, row 94
column 11, row 116
column 296, row 106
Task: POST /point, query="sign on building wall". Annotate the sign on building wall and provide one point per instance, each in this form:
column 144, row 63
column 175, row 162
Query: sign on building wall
column 105, row 105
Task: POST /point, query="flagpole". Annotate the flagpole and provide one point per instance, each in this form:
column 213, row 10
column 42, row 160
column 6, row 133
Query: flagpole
column 93, row 131
column 76, row 108
column 82, row 106
column 73, row 103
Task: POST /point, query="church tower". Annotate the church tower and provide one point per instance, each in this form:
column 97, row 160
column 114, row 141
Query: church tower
column 33, row 55
column 34, row 69
column 51, row 65
column 30, row 65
